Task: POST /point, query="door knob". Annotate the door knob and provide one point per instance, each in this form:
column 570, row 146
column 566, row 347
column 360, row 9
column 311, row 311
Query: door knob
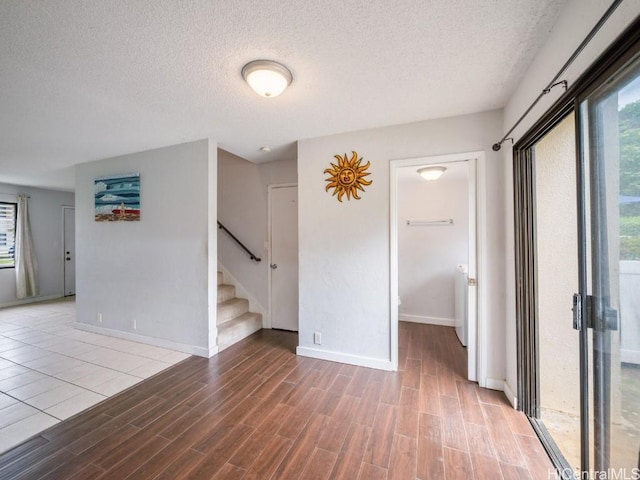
column 273, row 266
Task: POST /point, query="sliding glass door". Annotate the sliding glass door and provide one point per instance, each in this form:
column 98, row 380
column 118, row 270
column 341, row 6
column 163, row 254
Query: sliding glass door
column 610, row 120
column 577, row 219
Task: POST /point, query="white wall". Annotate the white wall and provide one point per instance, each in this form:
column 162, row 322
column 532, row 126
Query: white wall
column 242, row 208
column 428, row 255
column 344, row 247
column 45, row 212
column 630, row 311
column 156, row 272
column 576, row 20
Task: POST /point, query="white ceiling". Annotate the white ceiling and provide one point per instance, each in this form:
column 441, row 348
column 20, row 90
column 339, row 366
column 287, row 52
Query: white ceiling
column 82, row 80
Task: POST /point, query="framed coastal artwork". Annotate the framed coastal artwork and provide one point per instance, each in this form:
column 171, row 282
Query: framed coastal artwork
column 117, row 198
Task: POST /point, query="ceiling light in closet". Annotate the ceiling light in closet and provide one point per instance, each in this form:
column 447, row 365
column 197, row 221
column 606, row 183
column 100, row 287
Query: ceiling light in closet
column 431, row 173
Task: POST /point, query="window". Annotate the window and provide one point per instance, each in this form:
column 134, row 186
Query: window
column 8, row 216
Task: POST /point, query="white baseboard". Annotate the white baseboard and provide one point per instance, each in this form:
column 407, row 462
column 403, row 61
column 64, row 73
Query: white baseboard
column 630, row 356
column 156, row 342
column 501, row 386
column 493, row 384
column 513, row 399
column 25, row 301
column 369, row 362
column 445, row 322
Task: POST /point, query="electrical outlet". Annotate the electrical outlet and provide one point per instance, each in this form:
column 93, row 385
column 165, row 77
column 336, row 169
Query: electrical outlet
column 99, row 318
column 317, row 338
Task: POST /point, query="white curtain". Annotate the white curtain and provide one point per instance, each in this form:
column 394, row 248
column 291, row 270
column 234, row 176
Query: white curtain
column 26, row 264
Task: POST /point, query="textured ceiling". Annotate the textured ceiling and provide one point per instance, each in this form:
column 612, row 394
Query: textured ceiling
column 82, row 80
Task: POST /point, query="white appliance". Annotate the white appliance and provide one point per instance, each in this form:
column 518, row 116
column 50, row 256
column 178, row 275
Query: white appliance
column 461, row 303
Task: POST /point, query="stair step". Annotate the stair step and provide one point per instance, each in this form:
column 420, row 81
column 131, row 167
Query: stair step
column 240, row 327
column 231, row 309
column 234, row 319
column 226, row 292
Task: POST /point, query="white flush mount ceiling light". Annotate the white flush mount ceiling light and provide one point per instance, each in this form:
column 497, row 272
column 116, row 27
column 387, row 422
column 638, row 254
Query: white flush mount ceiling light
column 431, row 173
column 266, row 77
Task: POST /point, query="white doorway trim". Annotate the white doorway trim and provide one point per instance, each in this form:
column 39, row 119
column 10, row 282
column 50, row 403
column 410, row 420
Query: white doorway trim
column 267, row 323
column 477, row 357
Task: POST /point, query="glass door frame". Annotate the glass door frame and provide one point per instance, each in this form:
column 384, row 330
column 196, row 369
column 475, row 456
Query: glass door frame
column 626, row 47
column 527, row 314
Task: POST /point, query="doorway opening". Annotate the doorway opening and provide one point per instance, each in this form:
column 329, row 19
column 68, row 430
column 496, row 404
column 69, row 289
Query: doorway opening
column 437, row 248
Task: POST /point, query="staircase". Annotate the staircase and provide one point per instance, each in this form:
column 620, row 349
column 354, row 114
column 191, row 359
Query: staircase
column 235, row 321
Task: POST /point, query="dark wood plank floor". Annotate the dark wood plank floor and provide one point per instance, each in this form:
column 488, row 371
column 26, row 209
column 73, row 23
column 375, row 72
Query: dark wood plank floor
column 257, row 411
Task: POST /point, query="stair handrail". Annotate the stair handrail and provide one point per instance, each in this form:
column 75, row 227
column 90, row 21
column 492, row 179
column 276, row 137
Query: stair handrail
column 251, row 255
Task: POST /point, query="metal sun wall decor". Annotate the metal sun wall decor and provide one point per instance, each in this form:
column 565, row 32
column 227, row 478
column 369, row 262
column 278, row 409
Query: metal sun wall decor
column 347, row 177
column 117, row 198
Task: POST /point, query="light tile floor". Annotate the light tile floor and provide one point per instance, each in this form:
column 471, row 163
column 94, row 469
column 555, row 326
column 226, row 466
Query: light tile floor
column 50, row 371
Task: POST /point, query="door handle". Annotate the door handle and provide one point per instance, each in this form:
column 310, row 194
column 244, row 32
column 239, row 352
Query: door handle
column 68, row 259
column 577, row 311
column 273, row 266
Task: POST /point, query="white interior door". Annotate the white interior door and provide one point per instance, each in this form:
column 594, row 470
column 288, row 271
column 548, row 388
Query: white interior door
column 283, row 256
column 69, row 245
